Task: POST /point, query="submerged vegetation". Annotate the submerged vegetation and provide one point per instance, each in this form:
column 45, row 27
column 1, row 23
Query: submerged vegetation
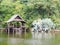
column 30, row 10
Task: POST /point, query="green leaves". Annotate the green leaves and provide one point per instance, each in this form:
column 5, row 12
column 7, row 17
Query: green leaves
column 30, row 10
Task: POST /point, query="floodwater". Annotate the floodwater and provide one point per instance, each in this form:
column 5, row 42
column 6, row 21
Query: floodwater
column 33, row 38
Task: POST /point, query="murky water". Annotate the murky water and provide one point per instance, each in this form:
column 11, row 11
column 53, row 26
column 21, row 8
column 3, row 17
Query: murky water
column 33, row 38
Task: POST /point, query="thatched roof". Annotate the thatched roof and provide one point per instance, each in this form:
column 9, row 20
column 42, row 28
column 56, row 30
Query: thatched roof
column 15, row 18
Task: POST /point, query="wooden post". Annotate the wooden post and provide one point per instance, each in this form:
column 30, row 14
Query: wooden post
column 25, row 31
column 1, row 31
column 23, row 26
column 8, row 28
column 13, row 30
column 19, row 32
column 16, row 29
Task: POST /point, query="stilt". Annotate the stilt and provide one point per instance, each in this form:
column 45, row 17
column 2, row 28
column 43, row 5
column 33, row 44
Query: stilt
column 25, row 32
column 1, row 33
column 8, row 29
column 16, row 32
column 19, row 32
column 13, row 30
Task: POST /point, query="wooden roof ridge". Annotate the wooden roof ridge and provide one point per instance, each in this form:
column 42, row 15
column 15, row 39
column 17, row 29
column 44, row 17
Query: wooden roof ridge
column 13, row 18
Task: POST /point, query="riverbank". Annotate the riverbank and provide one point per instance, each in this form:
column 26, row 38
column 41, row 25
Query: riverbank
column 55, row 31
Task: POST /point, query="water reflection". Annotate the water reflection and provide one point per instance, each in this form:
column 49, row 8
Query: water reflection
column 38, row 35
column 33, row 38
column 15, row 41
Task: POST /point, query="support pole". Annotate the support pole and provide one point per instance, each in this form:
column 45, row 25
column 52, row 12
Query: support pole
column 13, row 30
column 24, row 29
column 8, row 28
column 1, row 32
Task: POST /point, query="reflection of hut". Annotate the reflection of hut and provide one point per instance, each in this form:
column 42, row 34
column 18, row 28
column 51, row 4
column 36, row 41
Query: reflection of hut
column 18, row 26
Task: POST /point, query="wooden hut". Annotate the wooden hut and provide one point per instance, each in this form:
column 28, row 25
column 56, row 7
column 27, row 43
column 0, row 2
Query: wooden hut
column 13, row 28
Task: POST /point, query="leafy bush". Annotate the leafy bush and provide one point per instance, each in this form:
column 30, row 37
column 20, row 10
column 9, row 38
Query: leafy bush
column 48, row 23
column 43, row 24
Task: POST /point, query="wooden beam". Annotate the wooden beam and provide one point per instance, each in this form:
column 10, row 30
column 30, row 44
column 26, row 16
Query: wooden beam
column 13, row 30
column 8, row 28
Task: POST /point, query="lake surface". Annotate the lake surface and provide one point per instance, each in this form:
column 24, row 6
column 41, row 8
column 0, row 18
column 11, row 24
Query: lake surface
column 33, row 38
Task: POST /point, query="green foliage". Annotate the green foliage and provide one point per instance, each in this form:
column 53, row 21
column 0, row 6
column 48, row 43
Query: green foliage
column 48, row 23
column 30, row 10
column 44, row 24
